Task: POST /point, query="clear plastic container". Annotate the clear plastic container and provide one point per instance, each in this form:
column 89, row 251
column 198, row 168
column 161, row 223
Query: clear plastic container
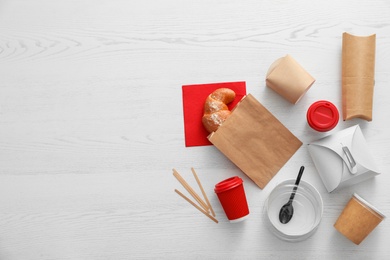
column 308, row 209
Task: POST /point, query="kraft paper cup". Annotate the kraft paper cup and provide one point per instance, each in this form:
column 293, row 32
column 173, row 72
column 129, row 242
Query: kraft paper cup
column 231, row 195
column 358, row 219
column 308, row 209
column 289, row 79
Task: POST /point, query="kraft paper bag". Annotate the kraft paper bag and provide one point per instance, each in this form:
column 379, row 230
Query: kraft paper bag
column 289, row 79
column 255, row 141
column 358, row 71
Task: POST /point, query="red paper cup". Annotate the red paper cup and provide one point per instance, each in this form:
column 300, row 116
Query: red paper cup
column 232, row 197
column 322, row 116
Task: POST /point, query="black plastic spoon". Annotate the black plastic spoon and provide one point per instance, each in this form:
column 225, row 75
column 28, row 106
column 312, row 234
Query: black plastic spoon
column 287, row 211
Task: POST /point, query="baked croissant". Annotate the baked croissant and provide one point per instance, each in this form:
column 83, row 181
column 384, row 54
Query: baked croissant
column 215, row 108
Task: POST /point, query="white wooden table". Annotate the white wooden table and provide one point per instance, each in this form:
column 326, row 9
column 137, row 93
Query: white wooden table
column 91, row 124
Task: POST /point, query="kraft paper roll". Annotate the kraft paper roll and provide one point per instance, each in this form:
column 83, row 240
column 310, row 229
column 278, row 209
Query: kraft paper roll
column 358, row 71
column 289, row 79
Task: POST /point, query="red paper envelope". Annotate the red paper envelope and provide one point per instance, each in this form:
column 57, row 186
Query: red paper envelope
column 194, row 97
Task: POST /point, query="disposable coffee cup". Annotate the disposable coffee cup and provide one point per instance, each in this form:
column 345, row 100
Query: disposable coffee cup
column 322, row 116
column 231, row 195
column 358, row 219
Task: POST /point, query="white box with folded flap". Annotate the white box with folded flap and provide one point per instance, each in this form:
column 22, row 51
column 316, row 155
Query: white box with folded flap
column 343, row 158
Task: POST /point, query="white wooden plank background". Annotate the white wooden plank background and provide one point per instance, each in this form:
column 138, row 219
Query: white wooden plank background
column 91, row 124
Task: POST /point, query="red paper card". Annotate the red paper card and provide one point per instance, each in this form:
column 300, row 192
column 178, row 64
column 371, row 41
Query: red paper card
column 194, row 97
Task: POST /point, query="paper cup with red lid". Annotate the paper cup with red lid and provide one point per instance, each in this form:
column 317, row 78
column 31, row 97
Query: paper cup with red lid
column 322, row 116
column 231, row 195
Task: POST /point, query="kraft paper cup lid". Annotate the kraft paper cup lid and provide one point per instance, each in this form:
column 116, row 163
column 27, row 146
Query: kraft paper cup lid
column 322, row 116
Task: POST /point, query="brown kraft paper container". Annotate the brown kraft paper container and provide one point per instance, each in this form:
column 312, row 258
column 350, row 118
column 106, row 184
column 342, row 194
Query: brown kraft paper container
column 358, row 219
column 255, row 141
column 358, row 71
column 289, row 79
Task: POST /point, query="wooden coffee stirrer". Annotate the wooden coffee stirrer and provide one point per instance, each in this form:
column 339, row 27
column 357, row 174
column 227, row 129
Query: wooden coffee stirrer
column 204, row 193
column 196, row 206
column 204, row 208
column 190, row 190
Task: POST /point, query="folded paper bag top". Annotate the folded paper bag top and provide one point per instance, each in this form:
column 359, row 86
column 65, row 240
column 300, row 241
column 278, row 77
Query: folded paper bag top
column 343, row 158
column 289, row 79
column 255, row 141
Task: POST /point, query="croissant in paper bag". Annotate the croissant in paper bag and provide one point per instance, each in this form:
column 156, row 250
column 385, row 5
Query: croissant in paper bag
column 215, row 108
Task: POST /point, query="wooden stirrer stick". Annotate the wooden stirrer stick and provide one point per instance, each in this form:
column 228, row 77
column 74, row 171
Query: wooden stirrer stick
column 190, row 190
column 203, row 192
column 196, row 206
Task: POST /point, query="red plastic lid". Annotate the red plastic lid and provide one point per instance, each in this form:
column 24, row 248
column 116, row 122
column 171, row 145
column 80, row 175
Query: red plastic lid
column 322, row 116
column 228, row 184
